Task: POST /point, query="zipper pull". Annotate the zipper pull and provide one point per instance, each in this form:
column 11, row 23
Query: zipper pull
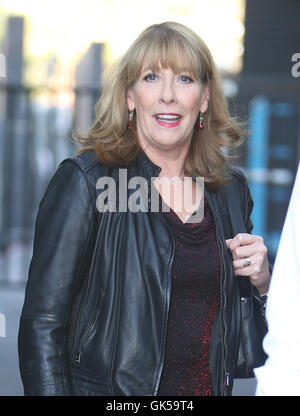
column 227, row 378
column 77, row 357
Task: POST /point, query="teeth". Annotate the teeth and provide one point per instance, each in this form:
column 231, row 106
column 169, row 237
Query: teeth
column 167, row 117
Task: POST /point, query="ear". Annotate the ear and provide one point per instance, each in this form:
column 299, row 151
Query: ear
column 130, row 100
column 204, row 99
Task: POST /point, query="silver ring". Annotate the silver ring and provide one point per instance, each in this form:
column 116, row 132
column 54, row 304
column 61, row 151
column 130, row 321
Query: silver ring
column 246, row 261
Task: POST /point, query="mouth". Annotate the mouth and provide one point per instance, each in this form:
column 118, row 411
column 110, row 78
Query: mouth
column 168, row 119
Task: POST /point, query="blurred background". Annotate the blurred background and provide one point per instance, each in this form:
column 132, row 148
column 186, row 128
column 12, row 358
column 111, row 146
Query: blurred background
column 53, row 55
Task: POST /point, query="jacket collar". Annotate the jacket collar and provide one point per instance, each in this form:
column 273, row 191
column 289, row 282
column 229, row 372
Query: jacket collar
column 146, row 165
column 149, row 168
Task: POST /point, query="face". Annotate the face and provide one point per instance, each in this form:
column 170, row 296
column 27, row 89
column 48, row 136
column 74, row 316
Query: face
column 167, row 106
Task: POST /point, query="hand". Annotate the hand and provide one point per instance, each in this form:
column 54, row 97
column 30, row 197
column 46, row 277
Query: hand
column 251, row 247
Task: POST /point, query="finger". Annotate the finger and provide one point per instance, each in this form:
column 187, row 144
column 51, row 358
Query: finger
column 239, row 263
column 242, row 239
column 245, row 251
column 255, row 266
column 250, row 271
column 228, row 242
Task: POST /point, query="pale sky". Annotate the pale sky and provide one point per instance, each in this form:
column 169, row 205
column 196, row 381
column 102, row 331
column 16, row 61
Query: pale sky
column 66, row 28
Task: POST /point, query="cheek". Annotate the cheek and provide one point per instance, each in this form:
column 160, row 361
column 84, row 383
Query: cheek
column 192, row 102
column 142, row 98
column 143, row 107
column 196, row 102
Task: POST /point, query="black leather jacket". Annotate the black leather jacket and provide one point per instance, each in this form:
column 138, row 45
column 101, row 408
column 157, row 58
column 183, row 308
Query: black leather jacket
column 96, row 306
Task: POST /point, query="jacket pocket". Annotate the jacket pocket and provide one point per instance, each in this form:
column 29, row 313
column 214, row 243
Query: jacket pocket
column 88, row 331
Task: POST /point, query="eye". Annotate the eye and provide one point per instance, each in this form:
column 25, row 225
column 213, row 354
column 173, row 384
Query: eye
column 185, row 79
column 150, row 77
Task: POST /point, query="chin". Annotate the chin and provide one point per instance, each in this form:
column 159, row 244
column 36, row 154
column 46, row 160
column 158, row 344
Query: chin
column 169, row 142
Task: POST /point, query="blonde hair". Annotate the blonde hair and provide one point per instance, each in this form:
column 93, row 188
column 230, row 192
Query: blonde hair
column 162, row 44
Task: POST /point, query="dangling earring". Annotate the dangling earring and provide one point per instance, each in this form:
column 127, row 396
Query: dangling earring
column 200, row 126
column 129, row 125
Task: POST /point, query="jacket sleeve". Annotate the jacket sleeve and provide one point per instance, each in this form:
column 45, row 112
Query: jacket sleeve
column 61, row 232
column 252, row 324
column 259, row 301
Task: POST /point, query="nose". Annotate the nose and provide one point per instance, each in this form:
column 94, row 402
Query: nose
column 167, row 93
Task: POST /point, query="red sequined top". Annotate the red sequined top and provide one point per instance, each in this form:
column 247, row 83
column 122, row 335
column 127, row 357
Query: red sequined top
column 195, row 298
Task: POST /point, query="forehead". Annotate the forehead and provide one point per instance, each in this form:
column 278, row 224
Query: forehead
column 176, row 59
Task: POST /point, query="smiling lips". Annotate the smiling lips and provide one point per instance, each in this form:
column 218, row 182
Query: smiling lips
column 168, row 119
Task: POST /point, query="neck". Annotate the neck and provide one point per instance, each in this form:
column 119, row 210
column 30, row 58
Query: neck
column 170, row 161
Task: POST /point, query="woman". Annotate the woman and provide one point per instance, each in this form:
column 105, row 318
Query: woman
column 133, row 301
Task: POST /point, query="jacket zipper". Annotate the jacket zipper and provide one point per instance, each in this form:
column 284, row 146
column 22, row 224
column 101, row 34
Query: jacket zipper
column 226, row 374
column 86, row 334
column 75, row 356
column 223, row 295
column 156, row 386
